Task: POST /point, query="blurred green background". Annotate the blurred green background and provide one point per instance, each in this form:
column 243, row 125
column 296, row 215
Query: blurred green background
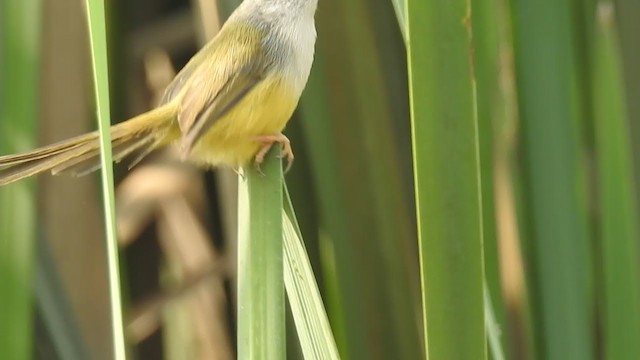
column 557, row 105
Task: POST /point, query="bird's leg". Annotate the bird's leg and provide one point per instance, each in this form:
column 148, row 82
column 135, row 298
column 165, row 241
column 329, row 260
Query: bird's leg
column 267, row 142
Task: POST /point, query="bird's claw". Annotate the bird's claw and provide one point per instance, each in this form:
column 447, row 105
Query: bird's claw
column 268, row 141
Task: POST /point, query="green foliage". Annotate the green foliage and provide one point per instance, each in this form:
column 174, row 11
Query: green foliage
column 19, row 73
column 619, row 217
column 522, row 139
column 491, row 110
column 261, row 317
column 446, row 165
column 558, row 255
column 98, row 36
column 355, row 127
column 312, row 325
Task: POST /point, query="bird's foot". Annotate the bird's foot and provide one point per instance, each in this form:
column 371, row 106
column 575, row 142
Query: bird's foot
column 267, row 142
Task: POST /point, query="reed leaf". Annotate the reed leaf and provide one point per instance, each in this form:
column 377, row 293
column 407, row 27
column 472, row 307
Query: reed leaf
column 446, row 165
column 401, row 13
column 491, row 114
column 355, row 124
column 98, row 37
column 494, row 335
column 619, row 215
column 312, row 324
column 554, row 200
column 626, row 15
column 261, row 305
column 54, row 308
column 20, row 24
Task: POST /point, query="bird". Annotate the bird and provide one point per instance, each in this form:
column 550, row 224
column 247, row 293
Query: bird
column 227, row 107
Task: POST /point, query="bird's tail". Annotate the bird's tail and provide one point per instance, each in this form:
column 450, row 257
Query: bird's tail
column 80, row 155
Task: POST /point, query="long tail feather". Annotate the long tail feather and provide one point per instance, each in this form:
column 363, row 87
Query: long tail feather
column 46, row 151
column 80, row 155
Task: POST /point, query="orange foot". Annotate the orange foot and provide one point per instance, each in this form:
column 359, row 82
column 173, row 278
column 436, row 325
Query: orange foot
column 267, row 142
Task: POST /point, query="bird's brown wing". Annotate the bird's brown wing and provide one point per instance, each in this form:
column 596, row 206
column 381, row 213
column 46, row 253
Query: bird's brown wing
column 233, row 65
column 182, row 78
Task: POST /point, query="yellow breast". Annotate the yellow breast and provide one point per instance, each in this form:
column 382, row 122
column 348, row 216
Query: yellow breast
column 264, row 111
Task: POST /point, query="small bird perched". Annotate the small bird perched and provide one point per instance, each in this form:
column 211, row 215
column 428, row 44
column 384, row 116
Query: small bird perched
column 227, row 106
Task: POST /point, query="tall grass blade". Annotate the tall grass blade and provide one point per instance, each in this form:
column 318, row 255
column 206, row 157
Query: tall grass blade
column 491, row 109
column 558, row 253
column 355, row 124
column 98, row 36
column 55, row 310
column 19, row 79
column 261, row 311
column 445, row 143
column 343, row 311
column 400, row 7
column 308, row 310
column 629, row 27
column 494, row 335
column 619, row 216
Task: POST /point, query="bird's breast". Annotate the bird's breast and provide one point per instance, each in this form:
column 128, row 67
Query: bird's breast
column 264, row 111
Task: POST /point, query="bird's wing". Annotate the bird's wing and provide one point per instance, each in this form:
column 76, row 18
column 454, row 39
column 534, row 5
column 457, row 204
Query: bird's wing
column 179, row 81
column 226, row 74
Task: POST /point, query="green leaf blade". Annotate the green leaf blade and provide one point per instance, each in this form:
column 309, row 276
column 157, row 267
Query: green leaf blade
column 619, row 219
column 557, row 248
column 446, row 162
column 261, row 311
column 310, row 317
column 98, row 37
column 20, row 47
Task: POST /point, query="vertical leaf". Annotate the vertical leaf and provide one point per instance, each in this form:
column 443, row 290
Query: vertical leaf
column 619, row 215
column 312, row 325
column 261, row 316
column 558, row 255
column 629, row 28
column 354, row 122
column 54, row 309
column 445, row 143
column 491, row 112
column 98, row 36
column 401, row 13
column 19, row 80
